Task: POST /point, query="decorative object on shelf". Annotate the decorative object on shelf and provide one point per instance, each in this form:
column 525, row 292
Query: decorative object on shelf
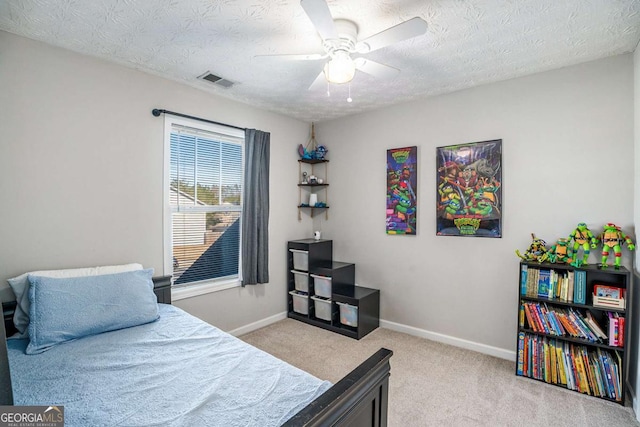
column 536, row 252
column 612, row 238
column 313, row 199
column 582, row 238
column 321, row 151
column 312, row 151
column 313, row 179
column 559, row 252
column 402, row 187
column 469, row 201
column 608, row 296
column 317, row 235
column 304, row 178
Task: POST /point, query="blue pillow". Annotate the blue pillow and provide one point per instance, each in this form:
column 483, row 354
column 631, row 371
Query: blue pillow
column 65, row 309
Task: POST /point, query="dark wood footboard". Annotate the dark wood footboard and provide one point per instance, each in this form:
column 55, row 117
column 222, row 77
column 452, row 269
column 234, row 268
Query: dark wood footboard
column 360, row 399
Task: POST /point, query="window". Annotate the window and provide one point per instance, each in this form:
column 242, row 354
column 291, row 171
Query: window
column 203, row 203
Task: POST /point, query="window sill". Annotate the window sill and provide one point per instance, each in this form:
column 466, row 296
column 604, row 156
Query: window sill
column 189, row 291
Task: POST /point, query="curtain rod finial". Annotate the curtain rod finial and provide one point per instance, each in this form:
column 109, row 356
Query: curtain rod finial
column 156, row 112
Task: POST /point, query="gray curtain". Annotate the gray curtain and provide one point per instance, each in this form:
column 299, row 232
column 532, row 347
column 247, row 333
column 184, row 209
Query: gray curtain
column 255, row 212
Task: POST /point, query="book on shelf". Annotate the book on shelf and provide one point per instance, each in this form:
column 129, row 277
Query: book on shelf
column 613, row 330
column 551, row 320
column 529, row 316
column 561, row 365
column 580, row 287
column 520, row 368
column 616, row 329
column 544, row 282
column 523, row 279
column 532, row 282
column 595, row 326
column 521, row 316
column 564, row 286
column 570, row 285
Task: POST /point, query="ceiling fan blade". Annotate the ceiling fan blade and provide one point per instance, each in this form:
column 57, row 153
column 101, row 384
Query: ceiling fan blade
column 403, row 31
column 319, row 83
column 296, row 57
column 320, row 15
column 375, row 69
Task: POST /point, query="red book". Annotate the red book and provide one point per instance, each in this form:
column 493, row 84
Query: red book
column 621, row 331
column 532, row 324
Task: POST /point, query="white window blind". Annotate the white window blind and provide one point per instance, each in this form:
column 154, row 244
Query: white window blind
column 205, row 198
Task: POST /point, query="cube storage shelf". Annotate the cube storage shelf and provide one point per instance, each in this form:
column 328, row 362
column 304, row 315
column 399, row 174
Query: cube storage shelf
column 332, row 301
column 549, row 351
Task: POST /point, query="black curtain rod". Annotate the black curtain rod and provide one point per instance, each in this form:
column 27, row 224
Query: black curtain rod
column 156, row 112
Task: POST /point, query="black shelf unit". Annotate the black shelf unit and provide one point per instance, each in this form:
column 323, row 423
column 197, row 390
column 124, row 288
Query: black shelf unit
column 343, row 290
column 595, row 274
column 313, row 187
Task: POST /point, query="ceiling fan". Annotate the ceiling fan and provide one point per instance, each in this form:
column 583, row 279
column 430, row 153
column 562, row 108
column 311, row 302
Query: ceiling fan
column 340, row 43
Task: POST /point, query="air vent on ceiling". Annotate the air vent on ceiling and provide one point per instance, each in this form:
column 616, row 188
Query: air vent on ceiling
column 216, row 80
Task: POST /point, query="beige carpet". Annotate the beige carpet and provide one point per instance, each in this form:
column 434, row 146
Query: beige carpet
column 434, row 384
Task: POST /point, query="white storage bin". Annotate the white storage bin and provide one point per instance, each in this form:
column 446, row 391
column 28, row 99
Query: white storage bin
column 300, row 259
column 323, row 308
column 300, row 302
column 348, row 314
column 302, row 280
column 322, row 285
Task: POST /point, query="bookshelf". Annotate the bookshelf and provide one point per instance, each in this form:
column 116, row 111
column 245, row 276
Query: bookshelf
column 567, row 336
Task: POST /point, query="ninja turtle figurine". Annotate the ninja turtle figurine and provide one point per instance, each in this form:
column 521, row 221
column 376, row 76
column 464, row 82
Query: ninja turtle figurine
column 537, row 251
column 613, row 238
column 581, row 237
column 558, row 252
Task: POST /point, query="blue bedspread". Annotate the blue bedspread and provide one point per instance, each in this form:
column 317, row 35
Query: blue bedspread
column 177, row 371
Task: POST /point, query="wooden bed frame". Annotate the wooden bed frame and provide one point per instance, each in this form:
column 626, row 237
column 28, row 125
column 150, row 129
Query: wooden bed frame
column 360, row 399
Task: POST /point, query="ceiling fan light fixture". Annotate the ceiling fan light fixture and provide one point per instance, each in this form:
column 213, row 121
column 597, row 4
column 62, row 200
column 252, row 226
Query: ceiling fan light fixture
column 340, row 69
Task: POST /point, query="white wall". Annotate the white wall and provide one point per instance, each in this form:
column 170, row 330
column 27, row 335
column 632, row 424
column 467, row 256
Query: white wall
column 567, row 158
column 81, row 162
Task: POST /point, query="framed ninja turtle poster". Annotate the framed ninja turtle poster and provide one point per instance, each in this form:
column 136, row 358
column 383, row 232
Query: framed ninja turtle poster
column 469, row 196
column 402, row 188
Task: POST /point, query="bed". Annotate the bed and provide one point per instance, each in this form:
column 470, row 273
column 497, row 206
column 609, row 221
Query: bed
column 144, row 375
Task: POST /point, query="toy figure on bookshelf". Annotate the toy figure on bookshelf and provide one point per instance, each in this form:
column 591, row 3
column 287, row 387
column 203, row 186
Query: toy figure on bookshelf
column 537, row 251
column 559, row 252
column 582, row 237
column 613, row 238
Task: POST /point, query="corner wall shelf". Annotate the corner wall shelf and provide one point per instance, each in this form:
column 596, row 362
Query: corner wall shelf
column 312, row 187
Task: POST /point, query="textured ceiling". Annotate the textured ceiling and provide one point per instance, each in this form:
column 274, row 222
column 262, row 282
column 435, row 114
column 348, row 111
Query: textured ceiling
column 468, row 43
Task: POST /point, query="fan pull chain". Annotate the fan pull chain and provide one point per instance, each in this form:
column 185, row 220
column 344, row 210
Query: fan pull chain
column 349, row 99
column 328, row 88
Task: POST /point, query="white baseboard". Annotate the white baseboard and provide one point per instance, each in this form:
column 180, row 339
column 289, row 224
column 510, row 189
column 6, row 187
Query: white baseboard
column 446, row 339
column 259, row 324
